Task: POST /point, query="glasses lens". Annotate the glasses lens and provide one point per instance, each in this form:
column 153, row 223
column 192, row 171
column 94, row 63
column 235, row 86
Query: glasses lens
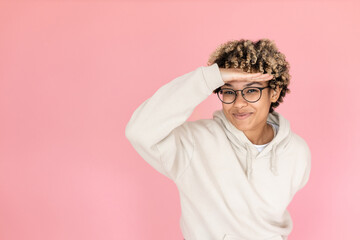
column 252, row 94
column 227, row 95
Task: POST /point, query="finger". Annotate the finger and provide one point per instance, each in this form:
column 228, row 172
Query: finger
column 254, row 77
column 256, row 74
column 267, row 75
column 264, row 77
column 251, row 76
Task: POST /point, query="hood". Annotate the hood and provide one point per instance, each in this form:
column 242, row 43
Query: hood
column 241, row 142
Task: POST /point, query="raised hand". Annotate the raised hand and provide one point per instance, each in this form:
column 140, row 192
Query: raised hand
column 236, row 74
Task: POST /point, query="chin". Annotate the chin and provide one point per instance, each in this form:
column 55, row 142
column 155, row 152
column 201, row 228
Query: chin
column 241, row 127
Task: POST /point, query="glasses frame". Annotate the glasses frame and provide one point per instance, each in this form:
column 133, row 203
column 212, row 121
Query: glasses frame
column 242, row 94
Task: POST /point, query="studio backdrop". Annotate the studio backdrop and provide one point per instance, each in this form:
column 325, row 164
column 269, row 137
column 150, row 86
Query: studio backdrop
column 73, row 72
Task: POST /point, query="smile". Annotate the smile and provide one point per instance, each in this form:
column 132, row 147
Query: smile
column 241, row 116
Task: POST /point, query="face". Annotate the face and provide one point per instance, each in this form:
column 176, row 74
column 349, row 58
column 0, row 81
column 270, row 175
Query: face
column 256, row 113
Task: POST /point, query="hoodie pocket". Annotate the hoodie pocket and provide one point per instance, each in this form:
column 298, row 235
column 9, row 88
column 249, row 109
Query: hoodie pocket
column 234, row 237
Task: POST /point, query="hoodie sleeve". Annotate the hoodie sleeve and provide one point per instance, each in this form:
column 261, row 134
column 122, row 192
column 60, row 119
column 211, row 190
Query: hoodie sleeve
column 158, row 130
column 306, row 170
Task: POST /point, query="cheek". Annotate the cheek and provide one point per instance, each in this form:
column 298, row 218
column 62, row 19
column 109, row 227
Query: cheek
column 267, row 96
column 265, row 100
column 226, row 107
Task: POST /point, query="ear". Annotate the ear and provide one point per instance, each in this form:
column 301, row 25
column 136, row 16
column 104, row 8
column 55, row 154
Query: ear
column 275, row 94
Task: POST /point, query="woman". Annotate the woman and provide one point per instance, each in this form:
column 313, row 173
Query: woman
column 237, row 172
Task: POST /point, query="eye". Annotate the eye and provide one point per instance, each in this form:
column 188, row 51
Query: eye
column 227, row 92
column 252, row 90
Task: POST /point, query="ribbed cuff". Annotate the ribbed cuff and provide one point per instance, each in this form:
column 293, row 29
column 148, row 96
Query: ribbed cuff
column 212, row 76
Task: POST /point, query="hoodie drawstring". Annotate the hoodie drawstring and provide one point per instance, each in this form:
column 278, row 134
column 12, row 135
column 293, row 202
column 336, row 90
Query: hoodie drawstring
column 273, row 161
column 273, row 165
column 248, row 161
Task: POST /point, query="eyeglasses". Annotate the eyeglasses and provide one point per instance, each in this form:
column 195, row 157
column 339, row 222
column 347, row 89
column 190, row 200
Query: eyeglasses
column 250, row 94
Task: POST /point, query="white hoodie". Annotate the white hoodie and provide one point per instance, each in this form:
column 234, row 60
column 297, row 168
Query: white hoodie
column 228, row 189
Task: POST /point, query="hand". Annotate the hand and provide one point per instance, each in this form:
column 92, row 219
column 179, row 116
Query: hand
column 236, row 74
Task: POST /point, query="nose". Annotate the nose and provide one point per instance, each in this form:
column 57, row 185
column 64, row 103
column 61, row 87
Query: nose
column 240, row 101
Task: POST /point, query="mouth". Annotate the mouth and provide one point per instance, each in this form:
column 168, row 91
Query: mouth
column 242, row 116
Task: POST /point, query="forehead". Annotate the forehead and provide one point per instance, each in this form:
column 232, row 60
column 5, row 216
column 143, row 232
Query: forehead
column 243, row 84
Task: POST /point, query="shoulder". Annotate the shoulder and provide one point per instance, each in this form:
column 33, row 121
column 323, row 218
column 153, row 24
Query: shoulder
column 302, row 161
column 300, row 146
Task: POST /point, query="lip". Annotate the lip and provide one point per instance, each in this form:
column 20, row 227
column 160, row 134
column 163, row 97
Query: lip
column 237, row 116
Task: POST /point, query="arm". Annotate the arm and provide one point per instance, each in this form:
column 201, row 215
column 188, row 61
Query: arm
column 306, row 170
column 158, row 129
column 306, row 176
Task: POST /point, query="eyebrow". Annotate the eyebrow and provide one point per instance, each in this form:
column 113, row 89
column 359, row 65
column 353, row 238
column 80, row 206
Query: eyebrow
column 246, row 85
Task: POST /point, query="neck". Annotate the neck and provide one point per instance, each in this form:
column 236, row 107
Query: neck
column 261, row 135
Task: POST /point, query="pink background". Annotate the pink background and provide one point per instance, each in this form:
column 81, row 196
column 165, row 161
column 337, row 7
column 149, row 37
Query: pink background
column 73, row 72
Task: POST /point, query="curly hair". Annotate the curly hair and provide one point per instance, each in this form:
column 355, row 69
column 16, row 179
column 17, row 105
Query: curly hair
column 259, row 56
